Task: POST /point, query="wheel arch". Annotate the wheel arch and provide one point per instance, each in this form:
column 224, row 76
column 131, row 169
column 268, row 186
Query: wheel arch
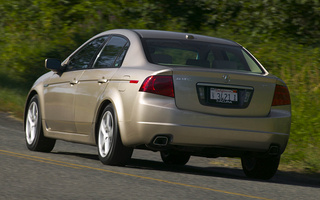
column 118, row 109
column 114, row 97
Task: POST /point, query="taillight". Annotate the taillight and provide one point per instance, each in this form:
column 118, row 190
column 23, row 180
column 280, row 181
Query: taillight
column 281, row 96
column 162, row 85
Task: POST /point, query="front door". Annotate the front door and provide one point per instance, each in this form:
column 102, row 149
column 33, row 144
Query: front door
column 61, row 89
column 59, row 97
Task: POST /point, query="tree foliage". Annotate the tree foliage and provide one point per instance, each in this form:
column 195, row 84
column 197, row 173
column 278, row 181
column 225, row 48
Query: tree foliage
column 34, row 29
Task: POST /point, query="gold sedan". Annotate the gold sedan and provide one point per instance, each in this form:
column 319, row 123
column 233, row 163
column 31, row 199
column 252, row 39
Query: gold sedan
column 178, row 93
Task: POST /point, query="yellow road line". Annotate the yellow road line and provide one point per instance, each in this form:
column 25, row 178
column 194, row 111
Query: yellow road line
column 38, row 159
column 77, row 166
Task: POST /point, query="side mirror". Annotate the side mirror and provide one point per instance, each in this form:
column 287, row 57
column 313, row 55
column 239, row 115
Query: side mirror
column 53, row 65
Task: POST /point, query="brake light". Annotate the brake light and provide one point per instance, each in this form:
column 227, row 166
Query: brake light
column 281, row 96
column 162, row 85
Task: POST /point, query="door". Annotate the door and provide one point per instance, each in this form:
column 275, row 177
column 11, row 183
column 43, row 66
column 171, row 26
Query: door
column 59, row 98
column 60, row 91
column 95, row 81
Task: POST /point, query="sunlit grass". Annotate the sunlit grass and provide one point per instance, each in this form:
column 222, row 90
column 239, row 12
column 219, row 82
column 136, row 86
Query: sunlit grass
column 299, row 67
column 12, row 100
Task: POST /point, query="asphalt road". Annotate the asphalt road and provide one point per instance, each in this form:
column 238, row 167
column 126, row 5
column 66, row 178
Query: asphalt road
column 73, row 171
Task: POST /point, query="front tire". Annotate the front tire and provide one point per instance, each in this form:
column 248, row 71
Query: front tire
column 110, row 148
column 35, row 140
column 260, row 167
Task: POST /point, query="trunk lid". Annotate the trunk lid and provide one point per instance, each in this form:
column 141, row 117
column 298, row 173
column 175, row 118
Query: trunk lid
column 221, row 92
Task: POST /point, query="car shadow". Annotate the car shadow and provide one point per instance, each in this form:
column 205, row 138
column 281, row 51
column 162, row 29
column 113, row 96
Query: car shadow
column 281, row 177
column 186, row 169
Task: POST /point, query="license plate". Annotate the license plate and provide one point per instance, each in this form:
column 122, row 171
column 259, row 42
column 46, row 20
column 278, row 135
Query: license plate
column 220, row 95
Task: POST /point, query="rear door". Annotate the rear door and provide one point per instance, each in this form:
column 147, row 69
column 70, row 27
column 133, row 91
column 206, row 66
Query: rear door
column 95, row 81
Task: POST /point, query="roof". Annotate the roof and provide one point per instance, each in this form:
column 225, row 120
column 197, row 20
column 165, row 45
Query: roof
column 157, row 34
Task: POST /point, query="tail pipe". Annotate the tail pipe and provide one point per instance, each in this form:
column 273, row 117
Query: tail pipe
column 160, row 142
column 274, row 150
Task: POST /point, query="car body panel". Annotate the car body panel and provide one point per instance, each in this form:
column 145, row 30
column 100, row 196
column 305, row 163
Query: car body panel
column 157, row 116
column 59, row 95
column 91, row 85
column 183, row 36
column 187, row 95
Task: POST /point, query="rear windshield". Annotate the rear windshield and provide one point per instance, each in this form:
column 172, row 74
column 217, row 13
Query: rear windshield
column 199, row 54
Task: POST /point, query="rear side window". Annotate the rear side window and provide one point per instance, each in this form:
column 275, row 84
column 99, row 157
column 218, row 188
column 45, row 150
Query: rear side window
column 254, row 67
column 187, row 53
column 83, row 58
column 113, row 53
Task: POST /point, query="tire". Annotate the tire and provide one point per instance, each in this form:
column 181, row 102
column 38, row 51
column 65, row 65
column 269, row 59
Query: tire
column 35, row 140
column 260, row 168
column 172, row 157
column 111, row 151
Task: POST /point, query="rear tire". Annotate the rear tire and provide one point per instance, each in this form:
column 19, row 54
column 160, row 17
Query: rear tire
column 260, row 168
column 172, row 157
column 35, row 140
column 111, row 151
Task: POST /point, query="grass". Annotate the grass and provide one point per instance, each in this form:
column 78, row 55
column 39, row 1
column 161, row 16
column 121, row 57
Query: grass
column 12, row 96
column 299, row 67
column 12, row 100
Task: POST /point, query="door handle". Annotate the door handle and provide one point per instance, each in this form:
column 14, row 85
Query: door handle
column 126, row 77
column 102, row 80
column 74, row 81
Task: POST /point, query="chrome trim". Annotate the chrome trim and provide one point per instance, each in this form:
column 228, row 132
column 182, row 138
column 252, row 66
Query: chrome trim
column 226, row 78
column 225, row 86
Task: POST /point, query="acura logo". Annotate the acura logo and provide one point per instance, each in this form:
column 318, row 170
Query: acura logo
column 226, row 78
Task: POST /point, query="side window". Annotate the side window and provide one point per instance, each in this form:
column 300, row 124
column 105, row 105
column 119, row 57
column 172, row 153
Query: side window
column 254, row 67
column 119, row 60
column 83, row 58
column 112, row 54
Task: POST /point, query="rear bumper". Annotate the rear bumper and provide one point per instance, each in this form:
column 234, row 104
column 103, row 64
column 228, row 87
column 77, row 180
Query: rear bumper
column 204, row 130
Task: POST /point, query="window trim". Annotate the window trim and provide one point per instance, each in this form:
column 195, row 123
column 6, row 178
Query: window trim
column 241, row 48
column 119, row 54
column 77, row 51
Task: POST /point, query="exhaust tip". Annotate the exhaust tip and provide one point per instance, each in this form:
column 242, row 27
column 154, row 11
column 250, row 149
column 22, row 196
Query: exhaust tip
column 161, row 141
column 274, row 150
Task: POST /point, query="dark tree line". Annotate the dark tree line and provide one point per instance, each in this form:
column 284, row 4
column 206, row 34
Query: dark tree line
column 34, row 29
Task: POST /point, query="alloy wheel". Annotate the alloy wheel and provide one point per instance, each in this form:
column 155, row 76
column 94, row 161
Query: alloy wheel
column 32, row 122
column 106, row 131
